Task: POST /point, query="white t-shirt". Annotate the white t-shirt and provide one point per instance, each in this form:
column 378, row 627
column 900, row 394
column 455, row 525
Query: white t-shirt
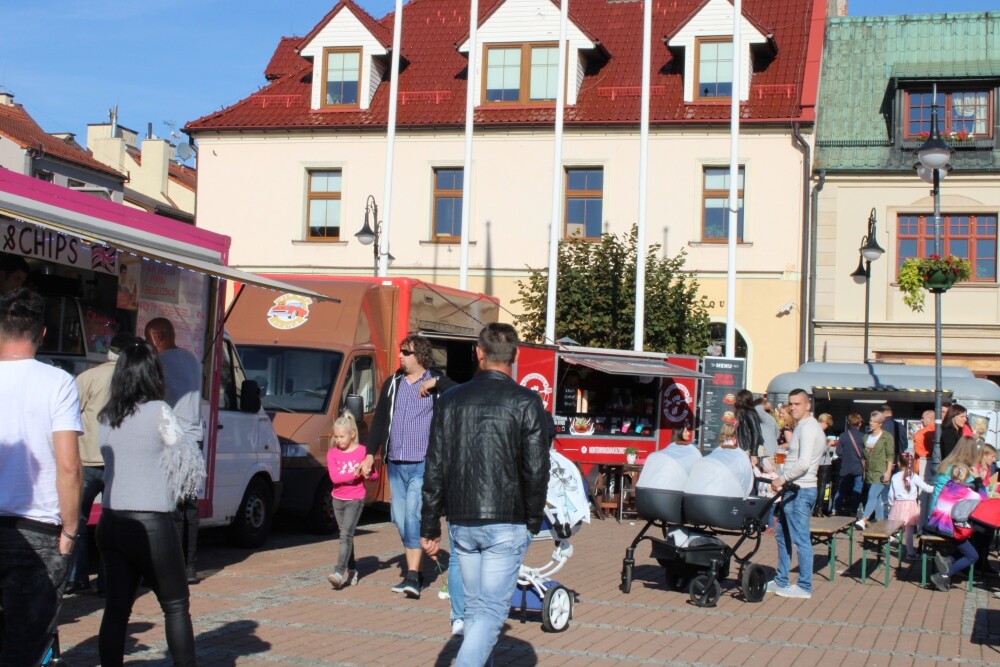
column 182, row 377
column 36, row 400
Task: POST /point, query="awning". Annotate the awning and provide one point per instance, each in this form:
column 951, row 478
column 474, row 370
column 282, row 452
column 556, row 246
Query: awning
column 146, row 245
column 635, row 367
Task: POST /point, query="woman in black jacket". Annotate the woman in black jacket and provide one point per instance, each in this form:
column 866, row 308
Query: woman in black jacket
column 952, row 426
column 749, row 436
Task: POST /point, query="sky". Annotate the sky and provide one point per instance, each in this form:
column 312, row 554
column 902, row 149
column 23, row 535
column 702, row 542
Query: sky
column 168, row 62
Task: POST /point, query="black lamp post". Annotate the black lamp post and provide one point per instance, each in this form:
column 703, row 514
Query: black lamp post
column 869, row 251
column 368, row 236
column 933, row 166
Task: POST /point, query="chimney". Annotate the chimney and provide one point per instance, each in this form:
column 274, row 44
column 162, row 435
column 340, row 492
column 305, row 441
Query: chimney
column 155, row 163
column 6, row 98
column 836, row 8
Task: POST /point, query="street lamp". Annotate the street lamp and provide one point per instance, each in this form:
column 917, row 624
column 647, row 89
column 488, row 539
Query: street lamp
column 933, row 166
column 368, row 236
column 869, row 252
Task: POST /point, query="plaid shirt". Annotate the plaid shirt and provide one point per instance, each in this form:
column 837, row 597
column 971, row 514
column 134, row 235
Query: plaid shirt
column 411, row 421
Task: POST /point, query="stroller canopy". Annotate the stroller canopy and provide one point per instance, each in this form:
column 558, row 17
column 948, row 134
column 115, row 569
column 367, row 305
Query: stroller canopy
column 724, row 472
column 567, row 496
column 668, row 468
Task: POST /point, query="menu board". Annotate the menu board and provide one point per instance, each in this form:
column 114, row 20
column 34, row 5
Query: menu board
column 179, row 295
column 718, row 396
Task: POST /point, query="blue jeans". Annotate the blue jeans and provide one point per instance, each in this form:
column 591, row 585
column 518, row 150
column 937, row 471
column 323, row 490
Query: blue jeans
column 93, row 484
column 491, row 555
column 793, row 530
column 455, row 588
column 32, row 574
column 405, row 483
column 878, row 496
column 849, row 495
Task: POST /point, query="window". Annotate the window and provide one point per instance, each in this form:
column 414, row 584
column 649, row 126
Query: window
column 292, row 379
column 714, row 68
column 715, row 209
column 447, row 204
column 342, row 69
column 324, row 205
column 521, row 74
column 972, row 237
column 42, row 175
column 360, row 381
column 584, row 203
column 959, row 111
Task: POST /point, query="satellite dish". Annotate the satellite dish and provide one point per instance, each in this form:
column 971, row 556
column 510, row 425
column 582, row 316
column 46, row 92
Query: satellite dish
column 184, row 152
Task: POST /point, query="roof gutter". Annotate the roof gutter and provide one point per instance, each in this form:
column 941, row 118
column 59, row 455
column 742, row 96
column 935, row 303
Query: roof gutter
column 814, row 208
column 806, row 264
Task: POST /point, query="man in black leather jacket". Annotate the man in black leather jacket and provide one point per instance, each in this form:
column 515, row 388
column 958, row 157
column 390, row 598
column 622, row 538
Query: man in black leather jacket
column 487, row 469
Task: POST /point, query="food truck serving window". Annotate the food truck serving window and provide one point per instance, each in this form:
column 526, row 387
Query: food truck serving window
column 608, row 397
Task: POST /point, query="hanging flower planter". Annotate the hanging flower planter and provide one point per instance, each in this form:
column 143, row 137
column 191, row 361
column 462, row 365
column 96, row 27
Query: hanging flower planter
column 933, row 274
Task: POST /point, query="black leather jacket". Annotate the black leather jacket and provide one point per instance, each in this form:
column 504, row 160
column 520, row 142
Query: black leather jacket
column 488, row 457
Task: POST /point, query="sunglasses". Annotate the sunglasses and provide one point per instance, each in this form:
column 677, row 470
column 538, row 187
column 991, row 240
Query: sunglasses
column 406, row 353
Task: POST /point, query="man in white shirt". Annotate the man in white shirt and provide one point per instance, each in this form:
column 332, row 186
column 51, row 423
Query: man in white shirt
column 805, row 453
column 40, row 480
column 182, row 385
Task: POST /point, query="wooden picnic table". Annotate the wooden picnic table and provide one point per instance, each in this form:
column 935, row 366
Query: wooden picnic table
column 879, row 538
column 824, row 530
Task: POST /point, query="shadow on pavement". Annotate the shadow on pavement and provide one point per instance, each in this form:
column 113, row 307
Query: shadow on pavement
column 508, row 651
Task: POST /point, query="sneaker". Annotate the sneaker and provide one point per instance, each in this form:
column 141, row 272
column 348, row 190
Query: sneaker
column 411, row 586
column 793, row 591
column 352, row 578
column 943, row 563
column 941, row 581
column 336, row 580
column 860, row 523
column 400, row 587
column 772, row 587
column 458, row 627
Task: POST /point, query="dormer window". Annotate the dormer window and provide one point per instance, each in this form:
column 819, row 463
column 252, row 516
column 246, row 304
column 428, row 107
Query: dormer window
column 521, row 73
column 714, row 70
column 341, row 76
column 961, row 113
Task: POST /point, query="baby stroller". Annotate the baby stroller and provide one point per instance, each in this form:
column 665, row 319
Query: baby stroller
column 690, row 549
column 566, row 510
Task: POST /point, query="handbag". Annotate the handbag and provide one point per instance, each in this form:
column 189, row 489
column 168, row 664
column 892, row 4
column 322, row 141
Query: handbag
column 857, row 450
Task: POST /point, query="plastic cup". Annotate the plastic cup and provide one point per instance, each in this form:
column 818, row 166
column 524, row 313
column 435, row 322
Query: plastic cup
column 779, row 457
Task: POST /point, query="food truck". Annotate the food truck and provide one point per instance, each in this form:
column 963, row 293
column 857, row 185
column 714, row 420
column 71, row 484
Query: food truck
column 843, row 388
column 606, row 401
column 310, row 357
column 103, row 268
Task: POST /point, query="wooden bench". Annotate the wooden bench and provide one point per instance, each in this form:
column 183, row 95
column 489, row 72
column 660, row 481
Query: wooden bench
column 824, row 530
column 931, row 544
column 878, row 538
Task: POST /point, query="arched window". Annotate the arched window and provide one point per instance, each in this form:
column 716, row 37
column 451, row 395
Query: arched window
column 717, row 346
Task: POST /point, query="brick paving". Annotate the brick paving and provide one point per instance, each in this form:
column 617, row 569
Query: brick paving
column 273, row 607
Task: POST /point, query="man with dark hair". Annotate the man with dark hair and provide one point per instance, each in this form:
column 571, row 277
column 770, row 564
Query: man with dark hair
column 805, row 453
column 488, row 472
column 400, row 428
column 182, row 384
column 39, row 480
column 13, row 272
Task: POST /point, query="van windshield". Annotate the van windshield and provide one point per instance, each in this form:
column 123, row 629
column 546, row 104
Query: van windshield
column 292, row 379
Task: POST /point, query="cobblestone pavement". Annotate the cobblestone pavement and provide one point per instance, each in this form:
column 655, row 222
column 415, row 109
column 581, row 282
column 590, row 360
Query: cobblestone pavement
column 273, row 606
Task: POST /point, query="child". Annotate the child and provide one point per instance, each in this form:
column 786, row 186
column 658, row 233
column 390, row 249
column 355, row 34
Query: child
column 343, row 462
column 954, row 497
column 904, row 489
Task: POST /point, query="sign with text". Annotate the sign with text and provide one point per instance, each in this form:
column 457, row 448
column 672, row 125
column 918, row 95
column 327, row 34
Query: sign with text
column 179, row 295
column 718, row 396
column 34, row 242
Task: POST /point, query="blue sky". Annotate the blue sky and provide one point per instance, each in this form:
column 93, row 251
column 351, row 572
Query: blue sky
column 176, row 60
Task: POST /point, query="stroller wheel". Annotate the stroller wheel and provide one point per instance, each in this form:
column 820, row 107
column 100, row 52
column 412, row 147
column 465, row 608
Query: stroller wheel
column 705, row 590
column 557, row 609
column 754, row 583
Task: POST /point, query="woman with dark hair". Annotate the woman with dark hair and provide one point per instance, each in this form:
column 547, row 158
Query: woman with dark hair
column 952, row 428
column 749, row 436
column 148, row 465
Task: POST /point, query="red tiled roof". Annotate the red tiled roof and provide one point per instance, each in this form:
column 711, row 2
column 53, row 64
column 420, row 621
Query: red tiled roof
column 17, row 125
column 286, row 59
column 378, row 30
column 432, row 27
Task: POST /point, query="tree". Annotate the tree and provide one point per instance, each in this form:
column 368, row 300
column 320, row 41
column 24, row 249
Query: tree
column 595, row 298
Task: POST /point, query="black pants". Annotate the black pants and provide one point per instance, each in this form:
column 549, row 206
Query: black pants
column 187, row 529
column 143, row 546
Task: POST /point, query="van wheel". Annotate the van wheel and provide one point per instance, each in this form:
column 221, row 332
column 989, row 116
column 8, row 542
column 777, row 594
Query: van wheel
column 252, row 523
column 321, row 519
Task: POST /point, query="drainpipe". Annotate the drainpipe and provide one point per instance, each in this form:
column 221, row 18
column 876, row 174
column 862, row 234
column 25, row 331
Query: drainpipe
column 805, row 303
column 814, row 207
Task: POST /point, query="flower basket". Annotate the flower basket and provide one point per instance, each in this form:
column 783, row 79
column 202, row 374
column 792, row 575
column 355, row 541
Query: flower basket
column 932, row 274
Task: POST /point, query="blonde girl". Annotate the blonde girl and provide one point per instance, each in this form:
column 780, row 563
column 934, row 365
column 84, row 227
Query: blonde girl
column 904, row 490
column 343, row 462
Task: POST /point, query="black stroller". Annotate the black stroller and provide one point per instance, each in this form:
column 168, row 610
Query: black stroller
column 690, row 549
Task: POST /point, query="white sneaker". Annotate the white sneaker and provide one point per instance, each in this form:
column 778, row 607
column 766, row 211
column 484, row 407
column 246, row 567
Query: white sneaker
column 336, row 580
column 793, row 591
column 458, row 627
column 860, row 523
column 772, row 587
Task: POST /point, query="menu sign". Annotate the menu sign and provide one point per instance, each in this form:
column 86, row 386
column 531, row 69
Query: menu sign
column 32, row 241
column 718, row 396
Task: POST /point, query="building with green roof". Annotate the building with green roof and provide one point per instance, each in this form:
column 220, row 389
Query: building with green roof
column 878, row 78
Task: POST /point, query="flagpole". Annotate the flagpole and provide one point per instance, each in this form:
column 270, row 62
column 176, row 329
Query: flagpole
column 555, row 229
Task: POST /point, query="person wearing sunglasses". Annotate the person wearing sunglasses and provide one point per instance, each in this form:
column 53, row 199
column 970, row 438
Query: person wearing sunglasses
column 401, row 430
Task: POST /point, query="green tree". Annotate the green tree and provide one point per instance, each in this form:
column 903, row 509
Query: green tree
column 595, row 298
